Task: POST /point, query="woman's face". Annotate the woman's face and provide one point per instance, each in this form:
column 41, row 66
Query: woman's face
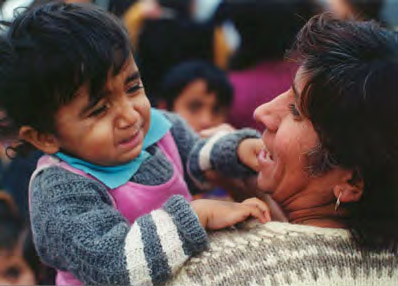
column 288, row 137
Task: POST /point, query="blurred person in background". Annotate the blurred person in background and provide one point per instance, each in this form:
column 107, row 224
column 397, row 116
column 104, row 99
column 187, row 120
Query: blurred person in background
column 201, row 94
column 168, row 32
column 257, row 70
column 14, row 269
column 19, row 263
column 198, row 91
column 356, row 9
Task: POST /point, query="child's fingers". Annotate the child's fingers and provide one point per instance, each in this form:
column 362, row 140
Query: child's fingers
column 255, row 212
column 260, row 205
column 256, row 202
column 249, row 152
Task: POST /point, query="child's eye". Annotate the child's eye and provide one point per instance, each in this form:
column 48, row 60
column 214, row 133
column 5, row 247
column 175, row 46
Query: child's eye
column 218, row 110
column 12, row 272
column 194, row 106
column 134, row 88
column 98, row 111
column 294, row 110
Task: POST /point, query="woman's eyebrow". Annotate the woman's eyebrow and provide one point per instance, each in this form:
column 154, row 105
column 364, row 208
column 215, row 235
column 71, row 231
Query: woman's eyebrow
column 295, row 92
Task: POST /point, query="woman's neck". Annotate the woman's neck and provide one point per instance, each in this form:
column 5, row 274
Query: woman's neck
column 322, row 216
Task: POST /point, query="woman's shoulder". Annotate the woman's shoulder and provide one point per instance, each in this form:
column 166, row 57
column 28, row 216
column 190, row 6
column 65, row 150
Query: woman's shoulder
column 276, row 230
column 279, row 253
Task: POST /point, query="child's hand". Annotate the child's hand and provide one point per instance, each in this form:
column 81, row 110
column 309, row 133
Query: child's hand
column 215, row 214
column 248, row 151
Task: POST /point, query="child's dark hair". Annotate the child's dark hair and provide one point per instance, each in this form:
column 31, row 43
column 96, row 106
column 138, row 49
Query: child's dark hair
column 50, row 51
column 180, row 76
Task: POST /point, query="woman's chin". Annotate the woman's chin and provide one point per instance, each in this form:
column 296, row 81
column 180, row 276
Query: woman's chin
column 264, row 183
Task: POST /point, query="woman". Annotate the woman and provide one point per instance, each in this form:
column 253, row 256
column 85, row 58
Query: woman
column 330, row 162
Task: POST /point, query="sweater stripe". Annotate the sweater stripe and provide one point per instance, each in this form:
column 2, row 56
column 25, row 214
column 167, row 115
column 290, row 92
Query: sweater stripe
column 205, row 152
column 135, row 258
column 169, row 238
column 155, row 256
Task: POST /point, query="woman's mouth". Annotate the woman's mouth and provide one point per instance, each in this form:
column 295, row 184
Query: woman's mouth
column 264, row 156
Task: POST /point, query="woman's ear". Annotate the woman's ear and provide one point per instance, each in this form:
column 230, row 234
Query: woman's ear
column 350, row 189
column 45, row 142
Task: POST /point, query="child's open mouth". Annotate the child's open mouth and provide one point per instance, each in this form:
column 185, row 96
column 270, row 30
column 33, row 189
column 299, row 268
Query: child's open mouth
column 133, row 140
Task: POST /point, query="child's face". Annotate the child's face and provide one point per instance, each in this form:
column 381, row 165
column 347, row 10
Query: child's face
column 199, row 107
column 111, row 131
column 340, row 7
column 13, row 268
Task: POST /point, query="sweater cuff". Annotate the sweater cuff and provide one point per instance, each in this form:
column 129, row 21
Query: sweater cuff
column 220, row 153
column 190, row 231
column 224, row 154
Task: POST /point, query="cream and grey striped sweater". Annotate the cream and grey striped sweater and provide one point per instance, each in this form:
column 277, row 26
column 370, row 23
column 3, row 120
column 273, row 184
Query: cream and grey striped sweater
column 280, row 254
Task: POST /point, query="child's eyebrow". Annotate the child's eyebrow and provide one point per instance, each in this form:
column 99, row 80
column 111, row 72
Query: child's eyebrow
column 90, row 105
column 133, row 76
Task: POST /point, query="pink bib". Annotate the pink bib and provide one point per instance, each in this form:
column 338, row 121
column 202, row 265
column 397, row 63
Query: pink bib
column 131, row 199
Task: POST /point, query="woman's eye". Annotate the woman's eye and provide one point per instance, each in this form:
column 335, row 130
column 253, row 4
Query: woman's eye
column 294, row 110
column 98, row 111
column 134, row 88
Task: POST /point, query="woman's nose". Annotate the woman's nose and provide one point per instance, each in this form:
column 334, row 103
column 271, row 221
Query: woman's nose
column 267, row 115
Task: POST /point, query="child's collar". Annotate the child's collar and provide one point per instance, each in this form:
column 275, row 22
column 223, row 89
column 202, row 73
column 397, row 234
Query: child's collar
column 115, row 176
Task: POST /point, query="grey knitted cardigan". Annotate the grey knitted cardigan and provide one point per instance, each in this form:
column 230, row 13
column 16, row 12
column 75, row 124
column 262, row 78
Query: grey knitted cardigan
column 76, row 228
column 281, row 254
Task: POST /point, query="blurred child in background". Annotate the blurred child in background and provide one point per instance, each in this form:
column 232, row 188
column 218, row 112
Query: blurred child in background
column 356, row 9
column 199, row 92
column 15, row 269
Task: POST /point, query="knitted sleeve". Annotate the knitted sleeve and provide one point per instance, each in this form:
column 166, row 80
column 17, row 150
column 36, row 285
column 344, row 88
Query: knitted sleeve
column 218, row 152
column 77, row 229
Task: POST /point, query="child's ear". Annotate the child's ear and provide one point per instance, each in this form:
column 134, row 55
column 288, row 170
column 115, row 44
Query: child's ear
column 45, row 142
column 350, row 189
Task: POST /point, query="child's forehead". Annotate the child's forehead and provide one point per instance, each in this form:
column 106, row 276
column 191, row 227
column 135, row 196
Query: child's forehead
column 128, row 67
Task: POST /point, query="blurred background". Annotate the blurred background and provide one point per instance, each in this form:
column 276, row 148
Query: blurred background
column 211, row 61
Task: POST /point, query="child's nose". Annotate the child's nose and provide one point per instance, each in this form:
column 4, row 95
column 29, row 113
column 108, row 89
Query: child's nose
column 127, row 115
column 206, row 120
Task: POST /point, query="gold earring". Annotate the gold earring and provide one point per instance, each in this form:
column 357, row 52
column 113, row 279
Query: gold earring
column 337, row 202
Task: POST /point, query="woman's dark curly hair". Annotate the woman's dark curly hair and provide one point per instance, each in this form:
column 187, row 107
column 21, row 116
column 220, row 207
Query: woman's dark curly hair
column 351, row 98
column 47, row 53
